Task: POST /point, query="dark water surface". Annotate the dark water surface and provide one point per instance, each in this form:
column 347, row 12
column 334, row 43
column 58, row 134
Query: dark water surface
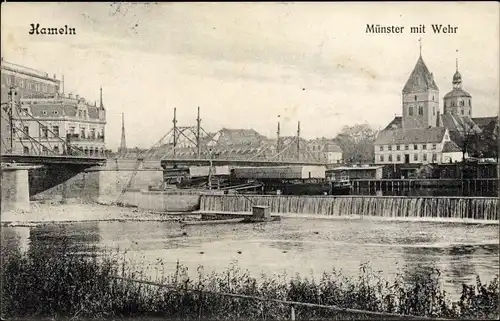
column 307, row 247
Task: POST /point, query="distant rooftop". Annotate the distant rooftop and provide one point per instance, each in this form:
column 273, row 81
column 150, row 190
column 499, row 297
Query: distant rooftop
column 410, row 136
column 26, row 70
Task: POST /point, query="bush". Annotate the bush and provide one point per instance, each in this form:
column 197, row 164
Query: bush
column 63, row 281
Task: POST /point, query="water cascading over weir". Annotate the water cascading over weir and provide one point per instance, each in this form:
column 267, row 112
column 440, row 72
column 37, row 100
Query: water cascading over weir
column 475, row 208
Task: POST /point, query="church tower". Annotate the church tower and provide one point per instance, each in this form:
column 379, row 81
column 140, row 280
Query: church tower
column 458, row 101
column 420, row 98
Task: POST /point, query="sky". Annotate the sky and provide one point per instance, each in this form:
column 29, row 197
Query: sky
column 244, row 64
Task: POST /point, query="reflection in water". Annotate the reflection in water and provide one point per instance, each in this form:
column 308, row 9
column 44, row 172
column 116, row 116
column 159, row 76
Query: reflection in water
column 307, row 247
column 15, row 238
column 77, row 239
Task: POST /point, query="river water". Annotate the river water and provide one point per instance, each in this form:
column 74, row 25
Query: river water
column 305, row 246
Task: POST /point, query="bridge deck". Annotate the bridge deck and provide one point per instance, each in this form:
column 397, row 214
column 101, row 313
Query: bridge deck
column 52, row 159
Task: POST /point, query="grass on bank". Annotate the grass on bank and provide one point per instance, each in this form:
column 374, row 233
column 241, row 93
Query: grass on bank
column 52, row 281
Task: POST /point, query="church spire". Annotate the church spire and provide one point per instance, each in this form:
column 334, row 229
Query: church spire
column 421, row 79
column 123, row 144
column 420, row 45
column 101, row 105
column 457, row 77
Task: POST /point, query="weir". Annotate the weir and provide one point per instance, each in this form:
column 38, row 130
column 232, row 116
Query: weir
column 478, row 208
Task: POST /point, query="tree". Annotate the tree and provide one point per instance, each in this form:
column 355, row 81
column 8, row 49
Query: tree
column 480, row 143
column 485, row 143
column 356, row 143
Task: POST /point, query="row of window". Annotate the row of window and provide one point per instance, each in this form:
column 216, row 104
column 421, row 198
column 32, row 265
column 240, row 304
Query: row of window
column 44, row 131
column 83, row 132
column 44, row 112
column 460, row 103
column 420, row 110
column 87, row 151
column 81, row 113
column 415, row 158
column 31, row 85
column 54, row 132
column 407, row 147
column 463, row 112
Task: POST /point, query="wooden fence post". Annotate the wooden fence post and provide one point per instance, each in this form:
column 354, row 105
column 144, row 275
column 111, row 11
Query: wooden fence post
column 292, row 313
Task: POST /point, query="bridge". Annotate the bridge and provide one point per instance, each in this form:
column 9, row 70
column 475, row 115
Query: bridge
column 75, row 171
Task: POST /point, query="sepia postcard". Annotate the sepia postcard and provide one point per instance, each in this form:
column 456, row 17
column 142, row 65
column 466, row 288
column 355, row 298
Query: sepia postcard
column 250, row 160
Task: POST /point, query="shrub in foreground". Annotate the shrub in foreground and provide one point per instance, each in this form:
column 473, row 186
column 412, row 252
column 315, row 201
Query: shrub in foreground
column 56, row 281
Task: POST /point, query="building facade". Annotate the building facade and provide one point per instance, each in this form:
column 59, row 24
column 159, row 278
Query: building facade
column 44, row 121
column 58, row 123
column 413, row 146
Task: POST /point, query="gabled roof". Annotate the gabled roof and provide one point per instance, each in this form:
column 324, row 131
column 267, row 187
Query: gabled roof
column 451, row 147
column 396, row 122
column 421, row 79
column 410, row 136
column 459, row 123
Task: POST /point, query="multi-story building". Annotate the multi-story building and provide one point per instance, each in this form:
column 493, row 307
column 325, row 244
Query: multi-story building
column 61, row 122
column 44, row 119
column 30, row 83
column 414, row 146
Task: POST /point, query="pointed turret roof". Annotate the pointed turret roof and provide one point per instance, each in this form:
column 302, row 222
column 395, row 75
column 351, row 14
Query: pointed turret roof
column 421, row 79
column 101, row 104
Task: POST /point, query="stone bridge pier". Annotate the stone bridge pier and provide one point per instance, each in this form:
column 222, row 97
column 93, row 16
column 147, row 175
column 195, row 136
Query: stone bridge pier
column 100, row 184
column 15, row 189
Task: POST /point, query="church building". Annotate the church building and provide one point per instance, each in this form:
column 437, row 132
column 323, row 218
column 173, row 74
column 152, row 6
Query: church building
column 422, row 134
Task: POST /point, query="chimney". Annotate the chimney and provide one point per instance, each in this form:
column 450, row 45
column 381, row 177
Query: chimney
column 70, row 95
column 77, row 97
column 54, row 76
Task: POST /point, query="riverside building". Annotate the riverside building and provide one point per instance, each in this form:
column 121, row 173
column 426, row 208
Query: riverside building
column 48, row 117
column 423, row 135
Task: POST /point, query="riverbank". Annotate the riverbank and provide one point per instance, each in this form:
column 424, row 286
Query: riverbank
column 57, row 212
